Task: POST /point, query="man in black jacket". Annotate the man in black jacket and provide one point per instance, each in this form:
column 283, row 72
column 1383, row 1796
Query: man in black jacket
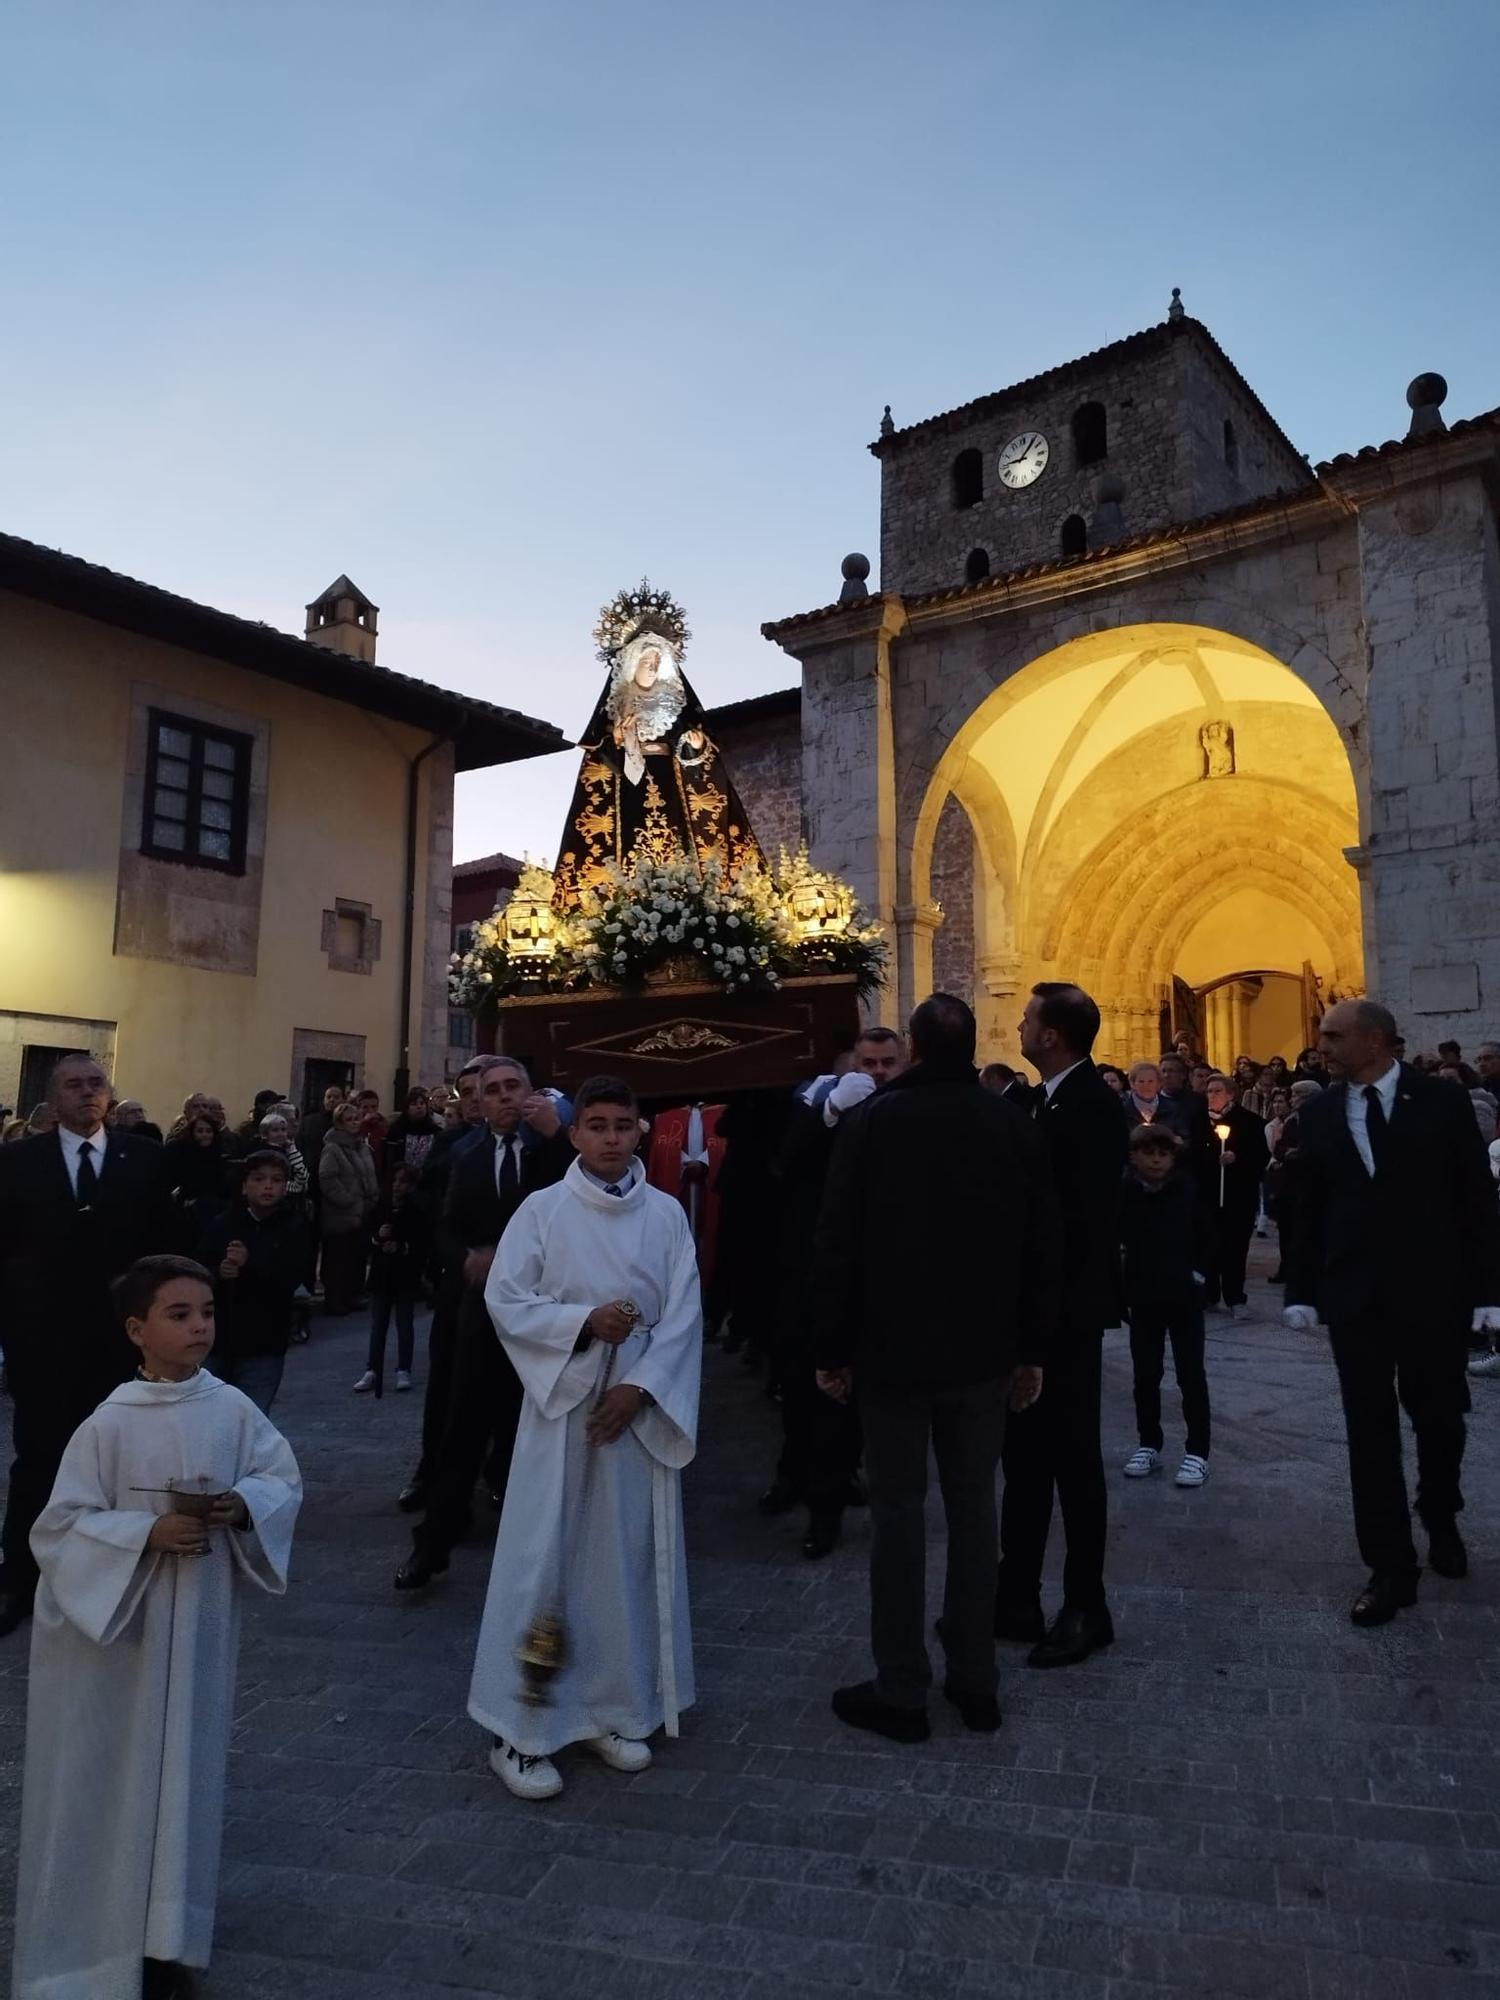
column 1054, row 1447
column 934, row 1290
column 524, row 1149
column 77, row 1207
column 1397, row 1246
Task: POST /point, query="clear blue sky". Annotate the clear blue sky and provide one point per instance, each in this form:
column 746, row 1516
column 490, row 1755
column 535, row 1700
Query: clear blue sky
column 498, row 306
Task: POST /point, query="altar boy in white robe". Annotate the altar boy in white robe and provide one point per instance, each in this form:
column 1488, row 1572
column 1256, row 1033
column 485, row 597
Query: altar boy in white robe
column 594, row 1291
column 172, row 1497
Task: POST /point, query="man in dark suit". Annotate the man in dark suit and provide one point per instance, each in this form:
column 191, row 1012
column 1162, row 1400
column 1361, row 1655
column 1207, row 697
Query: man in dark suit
column 77, row 1207
column 1398, row 1248
column 1240, row 1161
column 525, row 1148
column 1054, row 1447
column 1007, row 1083
column 935, row 1284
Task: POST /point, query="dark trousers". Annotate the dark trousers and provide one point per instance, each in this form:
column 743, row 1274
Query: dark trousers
column 484, row 1407
column 404, row 1305
column 49, row 1405
column 1384, row 1368
column 1234, row 1227
column 343, row 1271
column 442, row 1346
column 1054, row 1447
column 1153, row 1322
column 821, row 1438
column 964, row 1428
column 257, row 1376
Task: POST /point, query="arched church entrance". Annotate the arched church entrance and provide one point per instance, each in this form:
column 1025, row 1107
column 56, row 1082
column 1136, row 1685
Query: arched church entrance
column 1162, row 813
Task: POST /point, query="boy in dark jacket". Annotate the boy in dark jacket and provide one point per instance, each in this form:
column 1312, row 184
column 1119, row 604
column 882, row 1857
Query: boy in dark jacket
column 400, row 1243
column 1165, row 1235
column 258, row 1255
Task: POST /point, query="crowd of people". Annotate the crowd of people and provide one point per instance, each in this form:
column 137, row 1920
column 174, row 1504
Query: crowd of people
column 569, row 1299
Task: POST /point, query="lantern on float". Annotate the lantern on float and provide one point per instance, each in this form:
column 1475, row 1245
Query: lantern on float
column 822, row 907
column 530, row 927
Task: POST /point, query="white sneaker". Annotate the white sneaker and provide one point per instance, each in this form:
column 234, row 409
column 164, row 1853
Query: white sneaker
column 1142, row 1462
column 524, row 1777
column 619, row 1752
column 1485, row 1364
column 403, row 1378
column 365, row 1383
column 1192, row 1471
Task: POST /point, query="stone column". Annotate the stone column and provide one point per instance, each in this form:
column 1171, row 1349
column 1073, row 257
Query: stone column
column 997, row 1006
column 1430, row 587
column 916, row 924
column 848, row 755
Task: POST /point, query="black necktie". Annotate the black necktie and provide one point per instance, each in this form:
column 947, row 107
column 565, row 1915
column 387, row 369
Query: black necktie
column 510, row 1177
column 88, row 1180
column 1376, row 1128
column 615, row 1188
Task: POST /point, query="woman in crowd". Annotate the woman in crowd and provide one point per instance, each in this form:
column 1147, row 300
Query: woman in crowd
column 1115, row 1078
column 409, row 1140
column 197, row 1164
column 350, row 1189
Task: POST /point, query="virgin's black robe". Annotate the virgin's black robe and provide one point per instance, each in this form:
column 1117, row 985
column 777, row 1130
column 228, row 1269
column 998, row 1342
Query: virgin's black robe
column 685, row 805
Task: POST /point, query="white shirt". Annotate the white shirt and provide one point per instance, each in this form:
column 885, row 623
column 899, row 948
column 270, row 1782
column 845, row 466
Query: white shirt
column 1358, row 1112
column 1053, row 1081
column 71, row 1141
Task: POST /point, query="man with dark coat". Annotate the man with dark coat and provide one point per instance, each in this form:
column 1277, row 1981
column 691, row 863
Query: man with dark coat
column 525, row 1147
column 77, row 1207
column 935, row 1286
column 1397, row 1247
column 1241, row 1156
column 1054, row 1446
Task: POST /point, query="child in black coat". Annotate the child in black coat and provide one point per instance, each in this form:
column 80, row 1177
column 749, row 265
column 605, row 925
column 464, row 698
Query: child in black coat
column 257, row 1253
column 1164, row 1232
column 399, row 1247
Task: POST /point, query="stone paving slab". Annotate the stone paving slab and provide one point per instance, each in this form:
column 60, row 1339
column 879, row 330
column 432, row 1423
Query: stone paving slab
column 1244, row 1797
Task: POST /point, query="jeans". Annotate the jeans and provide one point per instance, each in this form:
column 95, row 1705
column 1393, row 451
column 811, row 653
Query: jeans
column 404, row 1304
column 965, row 1428
column 257, row 1376
column 1153, row 1322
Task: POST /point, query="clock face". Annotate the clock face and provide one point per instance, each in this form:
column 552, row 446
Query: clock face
column 1024, row 460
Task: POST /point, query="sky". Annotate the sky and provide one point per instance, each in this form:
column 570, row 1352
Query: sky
column 499, row 307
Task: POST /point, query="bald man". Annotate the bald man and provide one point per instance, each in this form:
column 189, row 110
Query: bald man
column 1397, row 1247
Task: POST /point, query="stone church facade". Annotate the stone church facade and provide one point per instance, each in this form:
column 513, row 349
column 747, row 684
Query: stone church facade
column 1146, row 701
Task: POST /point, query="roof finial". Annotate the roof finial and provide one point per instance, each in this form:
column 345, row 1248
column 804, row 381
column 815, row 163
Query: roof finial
column 887, row 428
column 1176, row 310
column 1425, row 398
column 855, row 569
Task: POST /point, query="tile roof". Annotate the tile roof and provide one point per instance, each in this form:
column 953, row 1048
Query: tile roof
column 1149, row 340
column 483, row 733
column 1485, row 420
column 489, row 864
column 759, row 707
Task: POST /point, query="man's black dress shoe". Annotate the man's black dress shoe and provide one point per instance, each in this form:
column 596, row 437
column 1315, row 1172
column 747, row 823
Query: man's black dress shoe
column 1446, row 1552
column 14, row 1611
column 861, row 1707
column 1072, row 1637
column 1382, row 1597
column 1024, row 1623
column 822, row 1536
column 419, row 1570
column 412, row 1499
column 979, row 1711
column 164, row 1979
column 780, row 1497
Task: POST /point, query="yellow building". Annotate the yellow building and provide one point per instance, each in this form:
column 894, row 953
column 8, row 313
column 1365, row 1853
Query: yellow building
column 225, row 852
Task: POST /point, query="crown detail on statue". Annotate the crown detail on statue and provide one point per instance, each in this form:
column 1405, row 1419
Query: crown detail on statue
column 643, row 609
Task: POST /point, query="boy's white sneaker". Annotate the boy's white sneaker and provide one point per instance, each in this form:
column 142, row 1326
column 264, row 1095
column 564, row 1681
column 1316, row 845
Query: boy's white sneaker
column 620, row 1753
column 524, row 1777
column 365, row 1383
column 1142, row 1462
column 403, row 1378
column 1192, row 1471
column 1485, row 1364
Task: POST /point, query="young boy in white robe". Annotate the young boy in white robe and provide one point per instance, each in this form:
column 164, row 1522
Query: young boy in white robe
column 133, row 1657
column 594, row 1292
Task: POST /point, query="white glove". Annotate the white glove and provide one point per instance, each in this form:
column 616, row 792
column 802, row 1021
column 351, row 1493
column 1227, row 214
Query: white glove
column 1486, row 1319
column 1299, row 1319
column 846, row 1093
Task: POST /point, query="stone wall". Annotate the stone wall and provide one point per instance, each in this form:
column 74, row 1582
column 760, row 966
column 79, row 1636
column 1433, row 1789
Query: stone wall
column 1165, row 398
column 953, row 888
column 762, row 745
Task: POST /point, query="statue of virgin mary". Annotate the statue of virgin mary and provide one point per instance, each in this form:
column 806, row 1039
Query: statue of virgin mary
column 652, row 786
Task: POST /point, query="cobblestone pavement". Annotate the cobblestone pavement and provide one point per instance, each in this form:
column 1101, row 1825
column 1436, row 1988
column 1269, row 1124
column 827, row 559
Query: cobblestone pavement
column 1246, row 1796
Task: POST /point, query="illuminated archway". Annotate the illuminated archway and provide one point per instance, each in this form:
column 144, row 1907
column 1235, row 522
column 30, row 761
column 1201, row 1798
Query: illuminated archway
column 1156, row 809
